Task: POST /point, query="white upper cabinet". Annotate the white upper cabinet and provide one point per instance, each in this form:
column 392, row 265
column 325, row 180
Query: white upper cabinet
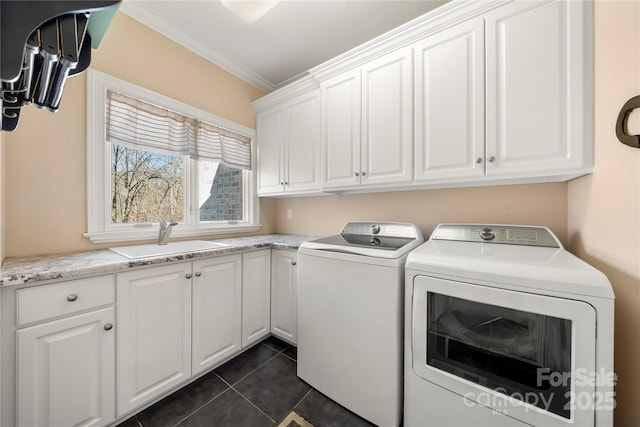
column 289, row 146
column 473, row 93
column 367, row 124
column 539, row 89
column 387, row 120
column 270, row 151
column 302, row 142
column 341, row 117
column 449, row 103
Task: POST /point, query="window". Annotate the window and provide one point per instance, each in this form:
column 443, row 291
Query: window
column 151, row 158
column 146, row 186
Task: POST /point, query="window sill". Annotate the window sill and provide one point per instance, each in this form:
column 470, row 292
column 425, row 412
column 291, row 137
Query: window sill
column 179, row 232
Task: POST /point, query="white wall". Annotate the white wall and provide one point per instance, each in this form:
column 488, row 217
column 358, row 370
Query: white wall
column 604, row 208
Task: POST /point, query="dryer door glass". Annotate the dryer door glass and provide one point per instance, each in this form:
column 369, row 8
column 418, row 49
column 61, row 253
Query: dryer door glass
column 514, row 352
column 527, row 355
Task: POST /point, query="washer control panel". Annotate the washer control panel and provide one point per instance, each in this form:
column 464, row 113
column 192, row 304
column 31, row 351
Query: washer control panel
column 382, row 229
column 500, row 234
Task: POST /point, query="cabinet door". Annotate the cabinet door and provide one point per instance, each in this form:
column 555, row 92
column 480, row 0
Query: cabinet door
column 449, row 104
column 256, row 302
column 302, row 152
column 217, row 310
column 340, row 130
column 537, row 86
column 66, row 371
column 270, row 133
column 154, row 332
column 283, row 294
column 387, row 120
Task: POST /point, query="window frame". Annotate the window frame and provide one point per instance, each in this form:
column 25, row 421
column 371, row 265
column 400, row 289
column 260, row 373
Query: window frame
column 100, row 229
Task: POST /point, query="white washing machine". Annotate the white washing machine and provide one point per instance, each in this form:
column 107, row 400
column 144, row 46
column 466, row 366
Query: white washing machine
column 351, row 314
column 504, row 327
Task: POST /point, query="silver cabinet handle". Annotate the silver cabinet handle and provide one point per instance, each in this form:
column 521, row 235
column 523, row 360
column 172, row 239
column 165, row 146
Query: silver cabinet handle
column 492, row 159
column 363, row 173
column 198, row 274
column 188, row 275
column 108, row 327
column 294, row 262
column 479, row 160
column 357, row 173
column 72, row 297
column 281, row 182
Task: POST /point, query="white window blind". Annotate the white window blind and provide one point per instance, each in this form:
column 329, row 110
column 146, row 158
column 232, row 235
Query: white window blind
column 147, row 127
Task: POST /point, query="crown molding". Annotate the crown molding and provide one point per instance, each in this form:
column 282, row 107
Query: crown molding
column 304, row 84
column 449, row 14
column 145, row 15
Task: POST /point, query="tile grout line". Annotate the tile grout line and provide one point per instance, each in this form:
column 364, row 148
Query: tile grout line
column 203, row 405
column 252, row 404
column 303, row 397
column 231, row 387
column 258, row 367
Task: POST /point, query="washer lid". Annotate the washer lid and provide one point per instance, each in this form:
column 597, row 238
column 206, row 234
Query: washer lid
column 374, row 239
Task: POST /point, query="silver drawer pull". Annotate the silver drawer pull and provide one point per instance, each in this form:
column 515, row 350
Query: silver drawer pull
column 188, row 276
column 492, row 159
column 72, row 297
column 294, row 262
column 198, row 274
column 108, row 327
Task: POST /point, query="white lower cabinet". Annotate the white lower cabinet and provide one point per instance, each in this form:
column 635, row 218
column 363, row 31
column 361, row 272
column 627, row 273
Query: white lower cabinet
column 217, row 310
column 59, row 347
column 80, row 361
column 65, row 371
column 283, row 294
column 154, row 332
column 256, row 301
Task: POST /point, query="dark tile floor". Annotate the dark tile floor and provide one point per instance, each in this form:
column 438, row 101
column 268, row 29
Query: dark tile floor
column 257, row 388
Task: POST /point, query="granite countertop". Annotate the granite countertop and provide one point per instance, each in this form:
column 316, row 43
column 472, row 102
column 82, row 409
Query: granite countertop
column 33, row 269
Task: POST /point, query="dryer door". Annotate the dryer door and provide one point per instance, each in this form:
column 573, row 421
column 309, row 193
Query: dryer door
column 526, row 355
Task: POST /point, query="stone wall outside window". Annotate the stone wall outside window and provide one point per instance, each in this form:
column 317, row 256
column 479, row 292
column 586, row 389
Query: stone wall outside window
column 225, row 201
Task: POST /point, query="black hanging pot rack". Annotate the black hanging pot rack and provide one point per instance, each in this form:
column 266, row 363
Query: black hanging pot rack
column 42, row 44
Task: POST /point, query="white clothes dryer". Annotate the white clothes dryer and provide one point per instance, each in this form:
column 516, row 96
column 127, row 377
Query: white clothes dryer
column 504, row 327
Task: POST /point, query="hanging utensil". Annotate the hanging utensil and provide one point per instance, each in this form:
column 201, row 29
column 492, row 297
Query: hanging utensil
column 72, row 30
column 30, row 67
column 50, row 53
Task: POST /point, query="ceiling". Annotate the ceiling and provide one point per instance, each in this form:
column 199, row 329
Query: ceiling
column 291, row 38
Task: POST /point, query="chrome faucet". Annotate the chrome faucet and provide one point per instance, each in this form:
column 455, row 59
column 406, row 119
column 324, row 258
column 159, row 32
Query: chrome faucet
column 165, row 230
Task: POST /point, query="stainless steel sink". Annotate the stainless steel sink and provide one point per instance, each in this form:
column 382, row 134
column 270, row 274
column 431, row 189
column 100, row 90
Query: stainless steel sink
column 172, row 248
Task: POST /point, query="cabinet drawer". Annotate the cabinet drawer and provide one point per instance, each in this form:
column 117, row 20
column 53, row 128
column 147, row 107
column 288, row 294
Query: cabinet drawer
column 44, row 302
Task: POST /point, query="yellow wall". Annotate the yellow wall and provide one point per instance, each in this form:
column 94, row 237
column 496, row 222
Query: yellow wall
column 541, row 204
column 46, row 203
column 2, row 204
column 604, row 208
